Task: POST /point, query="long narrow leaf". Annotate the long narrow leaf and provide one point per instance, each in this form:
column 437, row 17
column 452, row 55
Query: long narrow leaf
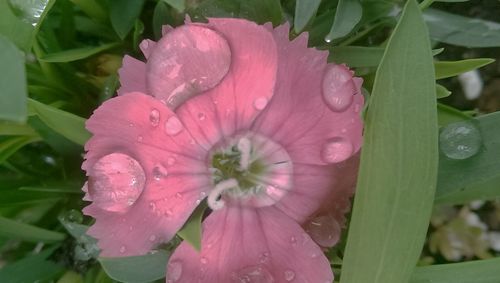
column 398, row 170
column 69, row 125
column 479, row 271
column 21, row 231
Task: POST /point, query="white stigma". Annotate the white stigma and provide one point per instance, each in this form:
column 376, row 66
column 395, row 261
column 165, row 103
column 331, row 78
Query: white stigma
column 244, row 146
column 213, row 202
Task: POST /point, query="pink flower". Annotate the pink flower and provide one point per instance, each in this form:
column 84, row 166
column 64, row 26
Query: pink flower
column 241, row 116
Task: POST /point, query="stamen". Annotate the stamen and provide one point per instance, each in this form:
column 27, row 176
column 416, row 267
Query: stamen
column 213, row 202
column 245, row 147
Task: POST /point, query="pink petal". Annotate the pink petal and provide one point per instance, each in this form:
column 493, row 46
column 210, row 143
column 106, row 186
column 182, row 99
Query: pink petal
column 235, row 103
column 302, row 120
column 147, row 46
column 256, row 245
column 132, row 76
column 187, row 61
column 175, row 174
column 325, row 225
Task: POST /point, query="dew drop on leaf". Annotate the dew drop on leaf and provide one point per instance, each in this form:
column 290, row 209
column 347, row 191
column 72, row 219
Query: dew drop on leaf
column 460, row 140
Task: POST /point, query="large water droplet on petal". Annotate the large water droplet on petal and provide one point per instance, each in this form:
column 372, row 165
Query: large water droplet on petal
column 336, row 150
column 154, row 117
column 338, row 88
column 460, row 140
column 115, row 182
column 173, row 126
column 185, row 62
column 174, row 271
column 253, row 274
column 324, row 230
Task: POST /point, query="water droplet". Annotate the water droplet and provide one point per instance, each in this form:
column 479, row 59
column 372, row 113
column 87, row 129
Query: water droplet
column 324, row 230
column 260, row 103
column 115, row 182
column 131, row 124
column 140, row 138
column 336, row 150
column 293, row 241
column 174, row 271
column 201, row 116
column 173, row 126
column 168, row 60
column 154, row 117
column 122, row 249
column 264, row 257
column 203, row 260
column 289, row 275
column 357, row 107
column 251, row 274
column 171, row 161
column 73, row 216
column 178, row 195
column 168, row 212
column 338, row 88
column 159, row 172
column 152, row 206
column 152, row 238
column 460, row 140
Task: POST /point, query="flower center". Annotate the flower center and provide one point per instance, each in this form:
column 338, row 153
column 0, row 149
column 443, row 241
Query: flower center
column 250, row 170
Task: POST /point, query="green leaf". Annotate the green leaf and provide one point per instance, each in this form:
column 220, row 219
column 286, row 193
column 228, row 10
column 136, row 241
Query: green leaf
column 399, row 160
column 33, row 11
column 68, row 125
column 441, row 91
column 360, row 56
column 160, row 16
column 138, row 30
column 179, row 5
column 455, row 175
column 446, row 69
column 40, row 269
column 76, row 54
column 463, row 31
column 17, row 197
column 191, row 231
column 478, row 271
column 15, row 129
column 356, row 56
column 304, row 12
column 123, row 15
column 19, row 32
column 11, row 145
column 489, row 190
column 125, row 269
column 447, row 115
column 347, row 16
column 262, row 11
column 21, row 231
column 13, row 90
column 93, row 8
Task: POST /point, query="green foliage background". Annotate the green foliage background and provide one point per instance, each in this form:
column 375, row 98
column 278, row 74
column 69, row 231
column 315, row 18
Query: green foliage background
column 59, row 61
